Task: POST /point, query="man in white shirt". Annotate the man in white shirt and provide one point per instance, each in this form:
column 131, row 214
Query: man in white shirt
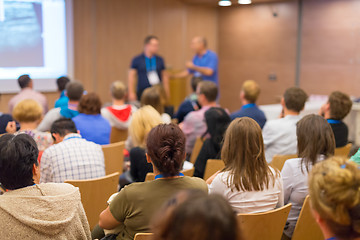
column 280, row 134
column 72, row 157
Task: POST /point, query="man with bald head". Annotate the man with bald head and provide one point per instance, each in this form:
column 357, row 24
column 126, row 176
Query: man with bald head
column 204, row 63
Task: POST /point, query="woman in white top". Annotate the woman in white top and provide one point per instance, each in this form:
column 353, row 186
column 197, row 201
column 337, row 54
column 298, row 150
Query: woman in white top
column 316, row 142
column 247, row 182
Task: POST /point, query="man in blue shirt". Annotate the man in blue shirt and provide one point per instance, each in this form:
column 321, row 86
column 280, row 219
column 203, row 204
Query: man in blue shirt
column 204, row 63
column 249, row 93
column 149, row 68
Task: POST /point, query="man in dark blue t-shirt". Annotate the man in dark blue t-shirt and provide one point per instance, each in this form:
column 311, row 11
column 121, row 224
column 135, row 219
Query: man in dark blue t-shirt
column 249, row 93
column 149, row 68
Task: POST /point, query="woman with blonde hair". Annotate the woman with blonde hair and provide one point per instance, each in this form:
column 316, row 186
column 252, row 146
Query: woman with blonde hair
column 334, row 187
column 143, row 120
column 247, row 182
column 29, row 114
column 315, row 142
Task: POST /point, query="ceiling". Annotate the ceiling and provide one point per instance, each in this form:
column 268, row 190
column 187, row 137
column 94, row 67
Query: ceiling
column 215, row 2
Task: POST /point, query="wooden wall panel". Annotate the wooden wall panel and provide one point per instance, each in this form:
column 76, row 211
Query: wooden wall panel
column 330, row 46
column 120, row 29
column 253, row 44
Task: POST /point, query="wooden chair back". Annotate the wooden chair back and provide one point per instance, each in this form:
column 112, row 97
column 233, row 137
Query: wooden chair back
column 118, row 135
column 306, row 226
column 212, row 166
column 151, row 176
column 189, row 172
column 95, row 193
column 268, row 225
column 196, row 150
column 278, row 161
column 143, row 236
column 114, row 157
column 343, row 151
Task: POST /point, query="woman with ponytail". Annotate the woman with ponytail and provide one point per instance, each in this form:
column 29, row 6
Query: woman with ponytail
column 334, row 187
column 135, row 204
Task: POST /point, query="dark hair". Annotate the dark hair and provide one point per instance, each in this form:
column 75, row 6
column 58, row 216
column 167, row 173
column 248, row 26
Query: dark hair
column 74, row 90
column 149, row 38
column 315, row 137
column 217, row 121
column 194, row 82
column 90, row 104
column 209, row 89
column 63, row 126
column 24, row 81
column 61, row 83
column 201, row 217
column 295, row 99
column 18, row 154
column 166, row 148
column 340, row 105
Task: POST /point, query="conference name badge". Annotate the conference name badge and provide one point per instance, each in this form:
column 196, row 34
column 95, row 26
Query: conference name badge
column 153, row 78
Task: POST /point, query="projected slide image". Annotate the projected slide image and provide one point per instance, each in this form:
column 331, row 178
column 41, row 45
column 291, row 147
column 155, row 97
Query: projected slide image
column 21, row 38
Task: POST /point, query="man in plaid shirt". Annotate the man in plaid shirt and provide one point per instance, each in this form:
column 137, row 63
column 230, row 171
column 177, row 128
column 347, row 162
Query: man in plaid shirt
column 71, row 157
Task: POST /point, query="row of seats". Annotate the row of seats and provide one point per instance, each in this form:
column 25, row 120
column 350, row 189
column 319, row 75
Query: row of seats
column 270, row 225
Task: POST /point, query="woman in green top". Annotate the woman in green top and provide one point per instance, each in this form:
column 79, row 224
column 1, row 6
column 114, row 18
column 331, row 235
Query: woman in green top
column 134, row 206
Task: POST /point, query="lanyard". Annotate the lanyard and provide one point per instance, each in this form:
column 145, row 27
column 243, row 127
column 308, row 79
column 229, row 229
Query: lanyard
column 150, row 63
column 72, row 137
column 250, row 105
column 162, row 176
column 333, row 121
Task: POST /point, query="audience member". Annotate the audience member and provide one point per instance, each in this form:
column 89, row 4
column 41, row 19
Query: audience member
column 145, row 119
column 27, row 92
column 166, row 151
column 217, row 120
column 334, row 111
column 247, row 181
column 92, row 126
column 74, row 91
column 334, row 187
column 190, row 103
column 72, row 157
column 315, row 142
column 29, row 114
column 63, row 99
column 196, row 216
column 280, row 134
column 29, row 210
column 152, row 96
column 194, row 125
column 118, row 114
column 249, row 94
column 4, row 120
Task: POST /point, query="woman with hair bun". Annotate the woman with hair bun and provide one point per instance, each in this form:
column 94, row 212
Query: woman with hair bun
column 135, row 204
column 334, row 187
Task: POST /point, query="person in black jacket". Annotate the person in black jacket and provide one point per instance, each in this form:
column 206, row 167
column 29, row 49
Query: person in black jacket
column 334, row 111
column 217, row 121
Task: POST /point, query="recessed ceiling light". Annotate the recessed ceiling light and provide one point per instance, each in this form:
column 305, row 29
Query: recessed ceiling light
column 244, row 1
column 224, row 3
